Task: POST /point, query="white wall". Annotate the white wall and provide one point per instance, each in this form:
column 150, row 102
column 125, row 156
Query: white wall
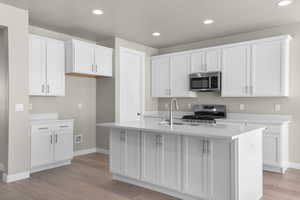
column 3, row 98
column 289, row 106
column 16, row 21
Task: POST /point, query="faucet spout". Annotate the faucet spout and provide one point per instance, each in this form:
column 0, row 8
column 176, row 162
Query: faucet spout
column 172, row 101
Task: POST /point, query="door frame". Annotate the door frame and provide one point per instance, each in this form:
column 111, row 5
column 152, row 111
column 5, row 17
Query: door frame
column 117, row 71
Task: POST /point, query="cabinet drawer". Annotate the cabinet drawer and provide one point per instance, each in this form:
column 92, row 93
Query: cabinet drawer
column 65, row 125
column 38, row 128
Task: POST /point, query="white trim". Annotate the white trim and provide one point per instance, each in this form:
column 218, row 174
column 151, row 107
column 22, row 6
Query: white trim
column 1, row 167
column 50, row 166
column 294, row 165
column 15, row 177
column 153, row 187
column 103, row 151
column 84, row 152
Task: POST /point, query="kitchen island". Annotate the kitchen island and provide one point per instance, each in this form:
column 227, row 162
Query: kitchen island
column 189, row 161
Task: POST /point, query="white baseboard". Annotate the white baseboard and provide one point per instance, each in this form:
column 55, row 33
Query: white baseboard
column 103, row 151
column 51, row 166
column 15, row 177
column 85, row 151
column 294, row 165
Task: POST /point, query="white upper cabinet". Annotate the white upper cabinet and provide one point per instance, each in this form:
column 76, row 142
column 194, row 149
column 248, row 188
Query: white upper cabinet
column 257, row 68
column 88, row 59
column 270, row 68
column 235, row 68
column 180, row 70
column 46, row 66
column 160, row 76
column 213, row 60
column 206, row 61
column 170, row 76
column 103, row 61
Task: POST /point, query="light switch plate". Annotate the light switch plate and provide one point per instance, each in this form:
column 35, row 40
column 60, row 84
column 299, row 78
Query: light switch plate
column 78, row 139
column 242, row 106
column 79, row 106
column 19, row 107
column 277, row 107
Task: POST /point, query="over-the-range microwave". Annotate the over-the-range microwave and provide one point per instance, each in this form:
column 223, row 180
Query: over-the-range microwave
column 205, row 82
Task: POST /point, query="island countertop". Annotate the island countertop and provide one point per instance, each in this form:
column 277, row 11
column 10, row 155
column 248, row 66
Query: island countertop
column 216, row 131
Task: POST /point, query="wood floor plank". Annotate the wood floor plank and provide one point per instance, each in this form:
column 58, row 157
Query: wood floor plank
column 88, row 178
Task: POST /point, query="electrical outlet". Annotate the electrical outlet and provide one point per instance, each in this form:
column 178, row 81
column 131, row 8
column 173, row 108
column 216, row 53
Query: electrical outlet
column 79, row 106
column 30, row 106
column 78, row 139
column 189, row 106
column 277, row 107
column 242, row 106
column 19, row 107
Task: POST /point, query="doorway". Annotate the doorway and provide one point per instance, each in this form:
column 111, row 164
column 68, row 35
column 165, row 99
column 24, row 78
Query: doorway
column 131, row 85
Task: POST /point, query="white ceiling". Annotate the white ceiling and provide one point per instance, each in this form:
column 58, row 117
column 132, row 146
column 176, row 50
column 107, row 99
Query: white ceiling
column 178, row 21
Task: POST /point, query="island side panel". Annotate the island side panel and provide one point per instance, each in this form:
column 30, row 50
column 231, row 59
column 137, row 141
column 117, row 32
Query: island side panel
column 247, row 168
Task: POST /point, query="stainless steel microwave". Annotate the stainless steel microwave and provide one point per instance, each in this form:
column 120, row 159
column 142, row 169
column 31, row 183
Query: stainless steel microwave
column 205, row 82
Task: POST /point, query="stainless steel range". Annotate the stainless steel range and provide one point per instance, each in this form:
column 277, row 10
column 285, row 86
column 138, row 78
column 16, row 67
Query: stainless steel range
column 204, row 113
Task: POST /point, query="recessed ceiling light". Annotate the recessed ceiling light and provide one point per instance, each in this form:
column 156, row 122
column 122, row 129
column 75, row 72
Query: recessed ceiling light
column 284, row 3
column 155, row 34
column 208, row 21
column 97, row 12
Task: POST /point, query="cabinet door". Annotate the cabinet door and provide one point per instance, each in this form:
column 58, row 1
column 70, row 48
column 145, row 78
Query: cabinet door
column 125, row 153
column 37, row 65
column 267, row 69
column 151, row 157
column 196, row 167
column 271, row 155
column 83, row 57
column 55, row 68
column 41, row 146
column 213, row 60
column 63, row 148
column 103, row 61
column 198, row 62
column 161, row 77
column 171, row 161
column 235, row 71
column 180, row 70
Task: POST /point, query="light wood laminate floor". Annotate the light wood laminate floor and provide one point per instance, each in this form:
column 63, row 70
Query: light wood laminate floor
column 88, row 178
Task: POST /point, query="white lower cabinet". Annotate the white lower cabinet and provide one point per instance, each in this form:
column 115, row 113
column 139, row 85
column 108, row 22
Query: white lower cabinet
column 197, row 167
column 161, row 163
column 51, row 145
column 125, row 149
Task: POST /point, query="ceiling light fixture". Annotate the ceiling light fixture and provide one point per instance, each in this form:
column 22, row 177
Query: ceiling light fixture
column 284, row 3
column 97, row 12
column 155, row 34
column 208, row 21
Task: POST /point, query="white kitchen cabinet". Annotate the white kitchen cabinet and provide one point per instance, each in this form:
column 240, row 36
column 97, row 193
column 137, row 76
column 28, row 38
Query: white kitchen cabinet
column 125, row 153
column 236, row 64
column 160, row 68
column 41, row 146
column 180, row 70
column 161, row 162
column 197, row 168
column 170, row 76
column 51, row 145
column 89, row 59
column 256, row 68
column 271, row 150
column 269, row 73
column 103, row 61
column 46, row 66
column 208, row 60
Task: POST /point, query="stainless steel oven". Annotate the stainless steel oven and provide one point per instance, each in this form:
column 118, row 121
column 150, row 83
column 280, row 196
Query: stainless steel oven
column 205, row 82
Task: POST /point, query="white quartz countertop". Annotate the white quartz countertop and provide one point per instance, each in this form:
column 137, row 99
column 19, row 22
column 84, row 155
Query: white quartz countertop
column 215, row 131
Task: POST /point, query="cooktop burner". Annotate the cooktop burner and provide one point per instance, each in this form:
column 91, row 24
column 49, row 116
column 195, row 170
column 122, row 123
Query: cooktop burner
column 206, row 113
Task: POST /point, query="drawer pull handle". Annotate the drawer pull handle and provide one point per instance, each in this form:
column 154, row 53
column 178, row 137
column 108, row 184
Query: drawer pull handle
column 45, row 128
column 63, row 126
